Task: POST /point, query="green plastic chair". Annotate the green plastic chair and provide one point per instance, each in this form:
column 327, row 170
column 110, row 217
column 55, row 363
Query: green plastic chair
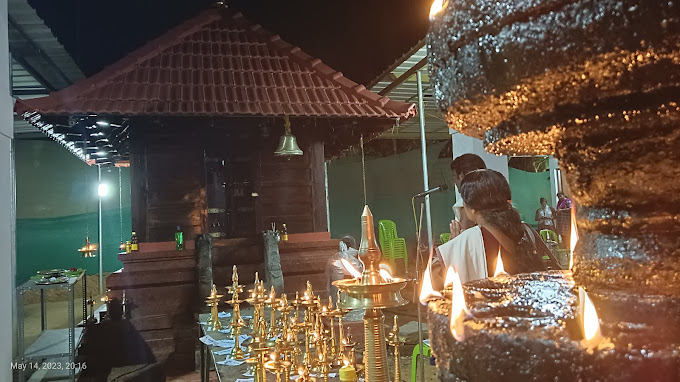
column 562, row 255
column 548, row 235
column 427, row 352
column 393, row 247
column 446, row 236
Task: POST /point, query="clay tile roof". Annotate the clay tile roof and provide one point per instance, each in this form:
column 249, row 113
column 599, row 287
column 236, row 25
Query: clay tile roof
column 217, row 64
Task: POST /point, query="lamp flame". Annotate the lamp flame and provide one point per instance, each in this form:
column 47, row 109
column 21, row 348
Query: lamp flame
column 436, row 7
column 351, row 269
column 448, row 280
column 426, row 290
column 499, row 266
column 590, row 322
column 385, row 273
column 573, row 238
column 458, row 309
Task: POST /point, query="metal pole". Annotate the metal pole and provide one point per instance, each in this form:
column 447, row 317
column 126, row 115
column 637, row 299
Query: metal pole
column 421, row 113
column 415, row 293
column 428, row 218
column 101, row 243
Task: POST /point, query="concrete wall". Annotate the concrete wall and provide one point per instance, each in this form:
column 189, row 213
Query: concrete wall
column 57, row 206
column 6, row 205
column 462, row 144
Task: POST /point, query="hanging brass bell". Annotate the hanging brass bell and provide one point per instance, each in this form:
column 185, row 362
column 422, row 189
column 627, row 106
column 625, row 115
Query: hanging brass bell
column 288, row 143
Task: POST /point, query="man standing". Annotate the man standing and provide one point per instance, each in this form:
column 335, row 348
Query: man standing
column 460, row 167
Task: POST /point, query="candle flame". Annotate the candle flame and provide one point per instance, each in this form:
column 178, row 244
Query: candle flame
column 448, row 280
column 573, row 238
column 436, row 7
column 351, row 269
column 426, row 290
column 499, row 266
column 458, row 309
column 591, row 323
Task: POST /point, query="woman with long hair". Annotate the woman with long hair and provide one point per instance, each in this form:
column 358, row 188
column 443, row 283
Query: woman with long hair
column 488, row 203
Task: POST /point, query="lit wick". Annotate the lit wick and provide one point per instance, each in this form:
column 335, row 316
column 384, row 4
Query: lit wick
column 499, row 266
column 448, row 280
column 590, row 323
column 436, row 7
column 458, row 309
column 573, row 238
column 351, row 269
column 427, row 292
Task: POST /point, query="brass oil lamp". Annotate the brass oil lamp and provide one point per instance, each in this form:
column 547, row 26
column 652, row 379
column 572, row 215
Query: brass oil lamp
column 372, row 292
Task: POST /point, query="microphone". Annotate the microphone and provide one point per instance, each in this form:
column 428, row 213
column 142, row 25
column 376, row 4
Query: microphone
column 436, row 189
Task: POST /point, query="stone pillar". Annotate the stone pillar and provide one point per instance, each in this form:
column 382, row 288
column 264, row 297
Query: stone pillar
column 272, row 261
column 7, row 213
column 204, row 264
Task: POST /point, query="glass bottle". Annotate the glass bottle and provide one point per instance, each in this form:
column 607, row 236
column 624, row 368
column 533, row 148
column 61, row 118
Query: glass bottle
column 134, row 242
column 179, row 239
column 284, row 233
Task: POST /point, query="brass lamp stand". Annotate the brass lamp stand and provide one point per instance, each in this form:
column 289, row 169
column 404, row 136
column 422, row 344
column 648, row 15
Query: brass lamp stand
column 373, row 293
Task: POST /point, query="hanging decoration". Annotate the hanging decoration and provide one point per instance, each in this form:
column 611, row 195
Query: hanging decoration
column 89, row 250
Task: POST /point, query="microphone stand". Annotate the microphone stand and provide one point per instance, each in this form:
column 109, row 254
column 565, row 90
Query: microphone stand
column 419, row 229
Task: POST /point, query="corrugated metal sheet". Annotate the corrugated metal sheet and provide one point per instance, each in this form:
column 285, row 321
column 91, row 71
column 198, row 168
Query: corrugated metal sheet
column 407, row 91
column 29, row 33
column 39, row 62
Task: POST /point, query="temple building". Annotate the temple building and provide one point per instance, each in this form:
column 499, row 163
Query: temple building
column 197, row 115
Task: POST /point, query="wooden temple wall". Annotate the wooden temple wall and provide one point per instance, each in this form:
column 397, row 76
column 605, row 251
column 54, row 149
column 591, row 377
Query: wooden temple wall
column 292, row 190
column 172, row 184
column 225, row 182
column 166, row 184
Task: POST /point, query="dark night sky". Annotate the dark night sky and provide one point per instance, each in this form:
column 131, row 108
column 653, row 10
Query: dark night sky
column 359, row 38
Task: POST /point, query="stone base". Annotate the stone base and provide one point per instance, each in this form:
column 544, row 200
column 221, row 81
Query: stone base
column 160, row 288
column 523, row 328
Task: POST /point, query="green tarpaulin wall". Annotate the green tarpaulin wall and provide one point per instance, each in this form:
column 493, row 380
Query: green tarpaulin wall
column 57, row 205
column 391, row 181
column 527, row 189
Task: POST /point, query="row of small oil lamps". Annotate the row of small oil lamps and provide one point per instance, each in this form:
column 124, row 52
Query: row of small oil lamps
column 586, row 313
column 277, row 347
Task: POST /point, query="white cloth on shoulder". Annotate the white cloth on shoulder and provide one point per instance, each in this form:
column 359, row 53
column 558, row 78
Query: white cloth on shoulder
column 465, row 253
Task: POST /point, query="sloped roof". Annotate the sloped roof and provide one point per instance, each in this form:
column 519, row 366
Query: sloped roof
column 217, row 64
